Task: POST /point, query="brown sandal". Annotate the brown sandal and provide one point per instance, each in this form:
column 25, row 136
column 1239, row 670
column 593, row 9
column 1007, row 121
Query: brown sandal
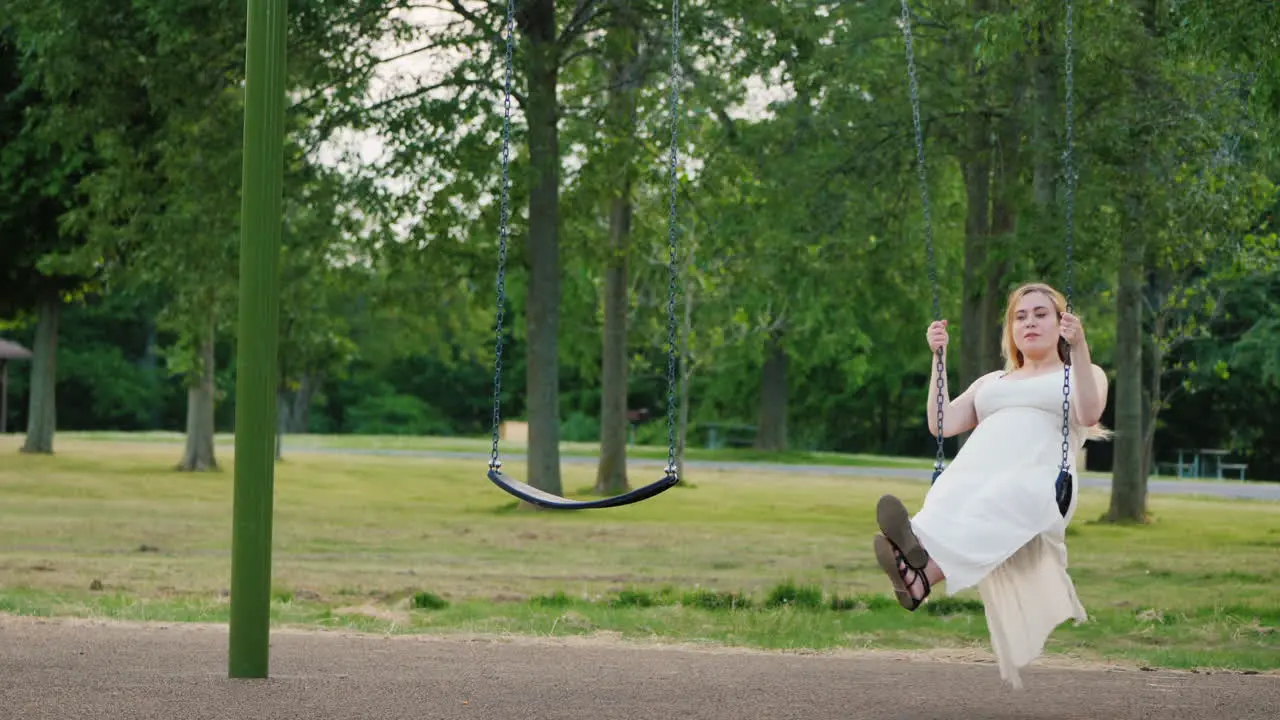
column 895, row 566
column 895, row 523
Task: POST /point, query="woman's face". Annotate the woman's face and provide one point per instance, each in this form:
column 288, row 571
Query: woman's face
column 1035, row 325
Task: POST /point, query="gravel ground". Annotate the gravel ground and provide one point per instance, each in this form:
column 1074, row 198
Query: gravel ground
column 73, row 669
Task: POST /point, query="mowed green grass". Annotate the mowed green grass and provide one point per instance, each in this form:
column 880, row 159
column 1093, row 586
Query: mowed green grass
column 414, row 443
column 771, row 560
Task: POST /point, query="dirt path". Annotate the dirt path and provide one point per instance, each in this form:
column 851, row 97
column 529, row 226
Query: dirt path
column 72, row 670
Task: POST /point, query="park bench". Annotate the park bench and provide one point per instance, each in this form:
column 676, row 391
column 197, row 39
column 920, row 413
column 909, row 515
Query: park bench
column 1206, row 463
column 1237, row 468
column 721, row 435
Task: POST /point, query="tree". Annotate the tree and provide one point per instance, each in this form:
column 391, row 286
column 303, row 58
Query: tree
column 461, row 168
column 801, row 227
column 625, row 73
column 317, row 281
column 1183, row 192
column 161, row 209
column 36, row 180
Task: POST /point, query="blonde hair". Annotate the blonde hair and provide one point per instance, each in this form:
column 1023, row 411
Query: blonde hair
column 1013, row 358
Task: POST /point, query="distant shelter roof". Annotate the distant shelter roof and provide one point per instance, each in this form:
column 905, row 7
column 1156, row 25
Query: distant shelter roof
column 13, row 351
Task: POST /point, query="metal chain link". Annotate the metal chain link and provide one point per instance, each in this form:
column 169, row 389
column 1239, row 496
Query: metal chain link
column 927, row 211
column 503, row 231
column 672, row 231
column 1068, row 161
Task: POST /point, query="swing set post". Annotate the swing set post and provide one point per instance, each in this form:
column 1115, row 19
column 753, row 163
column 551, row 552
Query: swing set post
column 256, row 363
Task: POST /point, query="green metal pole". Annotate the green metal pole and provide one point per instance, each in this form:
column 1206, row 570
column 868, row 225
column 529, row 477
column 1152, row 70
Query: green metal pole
column 261, row 217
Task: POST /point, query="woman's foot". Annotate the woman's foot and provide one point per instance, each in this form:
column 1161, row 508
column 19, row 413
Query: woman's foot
column 911, row 586
column 895, row 523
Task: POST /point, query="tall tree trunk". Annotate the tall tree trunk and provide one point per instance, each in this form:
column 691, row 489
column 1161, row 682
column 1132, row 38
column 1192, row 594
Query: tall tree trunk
column 1151, row 404
column 537, row 20
column 975, row 159
column 1129, row 480
column 1006, row 174
column 300, row 410
column 977, row 181
column 282, row 420
column 1043, row 144
column 4, row 396
column 883, row 409
column 771, row 425
column 198, row 455
column 1129, row 484
column 1158, row 286
column 150, row 364
column 611, row 474
column 42, row 412
column 771, row 428
column 622, row 53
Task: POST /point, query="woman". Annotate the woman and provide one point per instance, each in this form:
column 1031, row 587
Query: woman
column 992, row 518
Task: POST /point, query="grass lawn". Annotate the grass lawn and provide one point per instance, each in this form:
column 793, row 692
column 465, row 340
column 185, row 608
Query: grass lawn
column 405, row 544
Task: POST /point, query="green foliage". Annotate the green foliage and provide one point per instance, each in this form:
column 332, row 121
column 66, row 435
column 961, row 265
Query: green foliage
column 423, row 600
column 784, row 596
column 788, row 594
column 707, row 599
column 580, row 427
column 121, row 394
column 558, row 599
column 1259, row 347
column 37, row 180
column 395, row 415
column 635, row 598
column 797, row 205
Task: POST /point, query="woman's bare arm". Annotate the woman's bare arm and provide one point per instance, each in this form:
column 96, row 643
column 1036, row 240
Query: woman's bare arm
column 959, row 415
column 1091, row 395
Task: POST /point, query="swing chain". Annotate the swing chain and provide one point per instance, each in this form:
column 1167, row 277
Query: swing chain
column 1070, row 171
column 1071, row 179
column 672, row 232
column 942, row 381
column 926, row 209
column 504, row 230
column 504, row 233
column 921, row 169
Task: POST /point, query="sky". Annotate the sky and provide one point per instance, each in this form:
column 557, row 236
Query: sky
column 431, row 66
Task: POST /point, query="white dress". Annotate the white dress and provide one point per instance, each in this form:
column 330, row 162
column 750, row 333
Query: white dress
column 992, row 518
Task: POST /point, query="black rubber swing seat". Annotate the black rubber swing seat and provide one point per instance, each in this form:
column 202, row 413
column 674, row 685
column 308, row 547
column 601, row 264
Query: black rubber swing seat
column 1063, row 488
column 551, row 501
